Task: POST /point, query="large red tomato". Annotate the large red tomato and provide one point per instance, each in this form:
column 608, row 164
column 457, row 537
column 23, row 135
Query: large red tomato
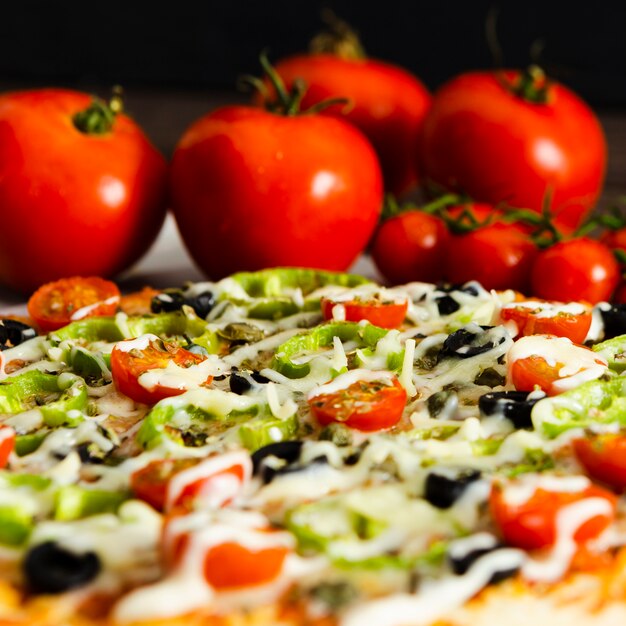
column 253, row 189
column 482, row 138
column 387, row 103
column 73, row 201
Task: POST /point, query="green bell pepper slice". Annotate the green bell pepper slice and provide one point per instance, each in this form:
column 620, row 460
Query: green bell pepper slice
column 594, row 402
column 279, row 281
column 209, row 412
column 74, row 502
column 16, row 525
column 614, row 351
column 367, row 336
column 110, row 329
column 262, row 430
column 32, row 390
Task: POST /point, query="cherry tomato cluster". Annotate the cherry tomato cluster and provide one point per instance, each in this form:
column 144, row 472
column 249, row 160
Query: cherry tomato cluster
column 448, row 241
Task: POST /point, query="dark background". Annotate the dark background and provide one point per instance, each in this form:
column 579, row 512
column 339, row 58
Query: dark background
column 177, row 60
column 206, row 45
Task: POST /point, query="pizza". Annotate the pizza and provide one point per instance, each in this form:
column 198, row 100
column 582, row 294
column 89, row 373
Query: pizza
column 310, row 448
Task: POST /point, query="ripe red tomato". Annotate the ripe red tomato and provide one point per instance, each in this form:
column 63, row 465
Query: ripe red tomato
column 252, row 189
column 411, row 246
column 574, row 270
column 483, row 139
column 498, row 256
column 387, row 103
column 134, row 357
column 548, row 319
column 167, row 486
column 377, row 312
column 604, row 458
column 7, row 444
column 531, row 525
column 364, row 405
column 57, row 304
column 73, row 202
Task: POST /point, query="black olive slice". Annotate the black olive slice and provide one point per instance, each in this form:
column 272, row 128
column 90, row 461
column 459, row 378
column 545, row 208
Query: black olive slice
column 13, row 333
column 243, row 381
column 288, row 451
column 49, row 568
column 294, row 468
column 168, row 301
column 514, row 405
column 202, row 304
column 465, row 343
column 614, row 320
column 443, row 491
column 447, row 305
column 461, row 562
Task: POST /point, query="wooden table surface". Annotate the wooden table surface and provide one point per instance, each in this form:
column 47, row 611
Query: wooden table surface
column 165, row 116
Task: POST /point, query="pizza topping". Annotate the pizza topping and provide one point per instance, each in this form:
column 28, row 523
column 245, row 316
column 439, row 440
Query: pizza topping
column 13, row 333
column 49, row 568
column 554, row 364
column 443, row 490
column 280, row 448
column 512, row 405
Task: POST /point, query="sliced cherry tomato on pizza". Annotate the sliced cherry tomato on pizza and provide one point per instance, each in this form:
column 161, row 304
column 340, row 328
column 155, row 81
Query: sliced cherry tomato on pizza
column 604, row 458
column 377, row 312
column 56, row 304
column 256, row 557
column 7, row 444
column 132, row 358
column 181, row 484
column 544, row 318
column 553, row 364
column 532, row 523
column 231, row 565
column 364, row 405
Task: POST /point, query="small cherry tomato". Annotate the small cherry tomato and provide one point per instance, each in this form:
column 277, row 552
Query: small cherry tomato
column 544, row 318
column 364, row 405
column 377, row 312
column 179, row 484
column 574, row 270
column 553, row 364
column 7, row 444
column 228, row 564
column 411, row 247
column 498, row 256
column 134, row 357
column 56, row 304
column 604, row 458
column 532, row 523
column 231, row 565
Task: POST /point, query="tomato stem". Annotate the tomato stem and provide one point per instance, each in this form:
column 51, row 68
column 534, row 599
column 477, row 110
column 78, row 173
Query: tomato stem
column 288, row 101
column 339, row 39
column 531, row 85
column 98, row 118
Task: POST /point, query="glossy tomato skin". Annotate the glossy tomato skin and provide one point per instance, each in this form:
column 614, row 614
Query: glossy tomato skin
column 251, row 190
column 481, row 139
column 604, row 458
column 62, row 301
column 387, row 103
column 366, row 406
column 127, row 366
column 72, row 203
column 411, row 246
column 382, row 314
column 574, row 270
column 531, row 525
column 498, row 256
